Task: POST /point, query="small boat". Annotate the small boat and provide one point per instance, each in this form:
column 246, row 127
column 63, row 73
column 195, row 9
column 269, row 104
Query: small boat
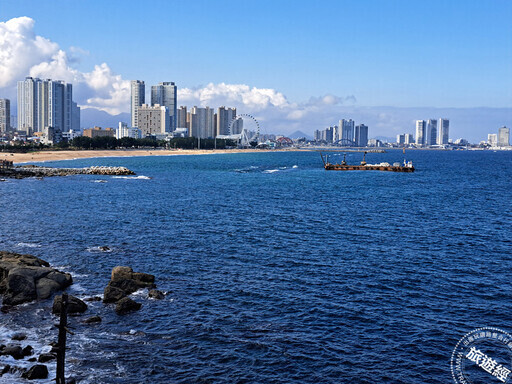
column 343, row 166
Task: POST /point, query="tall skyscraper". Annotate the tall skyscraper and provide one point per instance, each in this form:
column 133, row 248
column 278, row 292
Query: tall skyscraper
column 504, row 137
column 44, row 104
column 409, row 138
column 431, row 132
column 5, row 115
column 75, row 117
column 492, row 139
column 224, row 118
column 182, row 118
column 400, row 139
column 361, row 135
column 201, row 123
column 443, row 131
column 421, row 127
column 165, row 94
column 138, row 98
column 153, row 120
column 346, row 131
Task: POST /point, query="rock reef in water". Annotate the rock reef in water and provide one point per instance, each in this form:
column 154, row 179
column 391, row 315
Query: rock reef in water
column 25, row 278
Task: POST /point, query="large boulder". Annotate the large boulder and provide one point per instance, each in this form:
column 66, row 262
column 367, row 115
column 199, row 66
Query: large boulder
column 75, row 305
column 156, row 294
column 126, row 305
column 38, row 371
column 13, row 350
column 25, row 278
column 113, row 294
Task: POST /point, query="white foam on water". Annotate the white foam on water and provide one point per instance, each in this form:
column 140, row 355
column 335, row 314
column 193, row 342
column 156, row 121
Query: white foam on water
column 29, row 245
column 271, row 171
column 100, row 181
column 295, row 166
column 99, row 249
column 141, row 177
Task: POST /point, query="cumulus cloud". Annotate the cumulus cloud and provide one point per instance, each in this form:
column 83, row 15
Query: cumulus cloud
column 24, row 53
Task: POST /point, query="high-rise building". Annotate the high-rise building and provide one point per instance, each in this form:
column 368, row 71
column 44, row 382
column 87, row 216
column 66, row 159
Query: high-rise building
column 400, row 139
column 138, row 98
column 504, row 137
column 124, row 131
column 318, row 135
column 431, row 132
column 361, row 135
column 153, row 120
column 492, row 139
column 201, row 123
column 165, row 94
column 443, row 131
column 44, row 104
column 409, row 139
column 182, row 118
column 346, row 132
column 5, row 115
column 224, row 118
column 75, row 116
column 421, row 127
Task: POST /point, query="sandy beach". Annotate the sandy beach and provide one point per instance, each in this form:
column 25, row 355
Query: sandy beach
column 82, row 154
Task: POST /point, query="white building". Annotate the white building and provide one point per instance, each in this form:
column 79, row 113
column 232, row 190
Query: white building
column 165, row 94
column 124, row 131
column 153, row 120
column 400, row 139
column 421, row 127
column 201, row 123
column 504, row 137
column 138, row 98
column 346, row 131
column 431, row 132
column 224, row 118
column 443, row 131
column 492, row 139
column 5, row 115
column 409, row 139
column 45, row 103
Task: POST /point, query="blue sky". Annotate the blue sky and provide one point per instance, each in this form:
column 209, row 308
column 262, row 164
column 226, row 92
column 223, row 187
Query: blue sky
column 396, row 53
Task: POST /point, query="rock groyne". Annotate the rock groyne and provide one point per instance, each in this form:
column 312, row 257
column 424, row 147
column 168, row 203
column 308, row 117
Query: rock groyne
column 20, row 172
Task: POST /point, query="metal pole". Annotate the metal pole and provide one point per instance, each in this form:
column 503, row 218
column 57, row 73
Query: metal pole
column 61, row 344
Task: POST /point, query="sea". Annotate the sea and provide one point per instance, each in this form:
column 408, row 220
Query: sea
column 274, row 270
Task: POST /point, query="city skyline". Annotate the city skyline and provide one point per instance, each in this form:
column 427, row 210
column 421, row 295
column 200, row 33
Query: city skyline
column 289, row 83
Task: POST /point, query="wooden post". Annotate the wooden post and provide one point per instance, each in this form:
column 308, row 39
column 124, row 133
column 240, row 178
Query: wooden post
column 61, row 344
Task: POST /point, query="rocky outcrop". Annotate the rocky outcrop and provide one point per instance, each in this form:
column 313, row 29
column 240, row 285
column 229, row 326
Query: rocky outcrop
column 13, row 350
column 22, row 171
column 126, row 305
column 38, row 371
column 156, row 294
column 75, row 305
column 123, row 282
column 25, row 278
column 93, row 320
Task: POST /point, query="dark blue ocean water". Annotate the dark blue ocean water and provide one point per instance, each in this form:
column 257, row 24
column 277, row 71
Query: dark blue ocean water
column 276, row 270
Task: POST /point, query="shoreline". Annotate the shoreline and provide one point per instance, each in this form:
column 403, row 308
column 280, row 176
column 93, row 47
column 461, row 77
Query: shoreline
column 48, row 156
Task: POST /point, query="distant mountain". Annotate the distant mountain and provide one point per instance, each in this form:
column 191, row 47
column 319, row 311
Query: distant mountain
column 90, row 117
column 299, row 134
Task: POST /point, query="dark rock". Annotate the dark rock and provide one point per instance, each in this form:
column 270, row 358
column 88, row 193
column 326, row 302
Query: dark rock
column 37, row 371
column 92, row 320
column 6, row 308
column 25, row 278
column 27, row 351
column 144, row 278
column 32, row 360
column 156, row 294
column 45, row 357
column 93, row 298
column 126, row 305
column 113, row 294
column 70, row 380
column 19, row 337
column 2, row 346
column 13, row 350
column 75, row 305
column 5, row 369
column 127, row 285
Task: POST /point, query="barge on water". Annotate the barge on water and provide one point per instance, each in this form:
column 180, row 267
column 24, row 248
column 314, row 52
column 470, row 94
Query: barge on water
column 343, row 166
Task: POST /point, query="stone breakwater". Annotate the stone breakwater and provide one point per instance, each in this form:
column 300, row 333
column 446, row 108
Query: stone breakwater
column 20, row 172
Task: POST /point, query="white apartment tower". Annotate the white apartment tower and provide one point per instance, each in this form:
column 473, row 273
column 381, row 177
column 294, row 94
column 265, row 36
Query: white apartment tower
column 431, row 132
column 443, row 131
column 138, row 89
column 44, row 104
column 5, row 115
column 492, row 139
column 164, row 94
column 224, row 118
column 201, row 123
column 346, row 132
column 504, row 137
column 421, row 127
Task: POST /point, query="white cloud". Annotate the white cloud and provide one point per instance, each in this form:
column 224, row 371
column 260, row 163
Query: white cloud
column 24, row 53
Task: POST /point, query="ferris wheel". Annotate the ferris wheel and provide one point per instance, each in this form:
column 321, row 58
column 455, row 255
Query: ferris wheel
column 245, row 128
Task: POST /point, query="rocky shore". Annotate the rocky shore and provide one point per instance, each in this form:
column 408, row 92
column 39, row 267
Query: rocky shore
column 20, row 172
column 26, row 278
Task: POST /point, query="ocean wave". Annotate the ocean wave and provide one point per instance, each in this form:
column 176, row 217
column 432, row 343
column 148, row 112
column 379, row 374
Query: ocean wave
column 100, row 181
column 271, row 171
column 102, row 248
column 141, row 177
column 29, row 245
